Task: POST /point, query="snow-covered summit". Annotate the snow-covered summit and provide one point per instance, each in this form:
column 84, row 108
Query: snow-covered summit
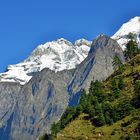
column 82, row 41
column 56, row 55
column 132, row 26
column 61, row 54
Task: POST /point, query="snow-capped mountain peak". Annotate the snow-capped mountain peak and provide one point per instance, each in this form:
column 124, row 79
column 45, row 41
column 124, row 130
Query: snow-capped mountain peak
column 64, row 41
column 56, row 55
column 82, row 41
column 132, row 26
column 61, row 54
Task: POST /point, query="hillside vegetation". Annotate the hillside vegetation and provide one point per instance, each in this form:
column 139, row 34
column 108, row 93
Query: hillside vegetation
column 111, row 110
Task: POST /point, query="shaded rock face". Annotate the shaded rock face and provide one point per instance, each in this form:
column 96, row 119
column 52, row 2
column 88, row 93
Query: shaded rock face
column 35, row 106
column 9, row 93
column 42, row 101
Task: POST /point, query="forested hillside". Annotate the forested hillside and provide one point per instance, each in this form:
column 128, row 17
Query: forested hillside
column 110, row 110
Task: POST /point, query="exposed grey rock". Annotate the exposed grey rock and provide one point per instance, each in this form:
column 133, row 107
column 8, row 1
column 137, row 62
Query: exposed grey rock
column 97, row 66
column 42, row 101
column 9, row 93
column 45, row 97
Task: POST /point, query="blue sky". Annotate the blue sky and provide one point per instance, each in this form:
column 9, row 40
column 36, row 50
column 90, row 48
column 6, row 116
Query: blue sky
column 24, row 24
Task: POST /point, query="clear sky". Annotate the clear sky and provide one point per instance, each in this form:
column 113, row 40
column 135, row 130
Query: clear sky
column 24, row 24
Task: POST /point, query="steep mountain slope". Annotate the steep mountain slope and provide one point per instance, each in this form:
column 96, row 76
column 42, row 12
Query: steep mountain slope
column 9, row 93
column 132, row 26
column 128, row 127
column 45, row 97
column 56, row 55
column 97, row 66
column 41, row 102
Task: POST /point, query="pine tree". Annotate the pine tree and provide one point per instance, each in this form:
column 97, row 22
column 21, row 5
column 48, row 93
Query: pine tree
column 131, row 47
column 91, row 111
column 45, row 137
column 83, row 98
column 124, row 108
column 98, row 91
column 107, row 110
column 137, row 88
column 91, row 88
column 136, row 101
column 121, row 83
column 117, row 63
column 115, row 88
column 56, row 127
column 99, row 119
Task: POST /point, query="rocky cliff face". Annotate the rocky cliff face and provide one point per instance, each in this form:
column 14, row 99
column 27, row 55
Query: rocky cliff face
column 40, row 103
column 9, row 94
column 97, row 66
column 44, row 98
